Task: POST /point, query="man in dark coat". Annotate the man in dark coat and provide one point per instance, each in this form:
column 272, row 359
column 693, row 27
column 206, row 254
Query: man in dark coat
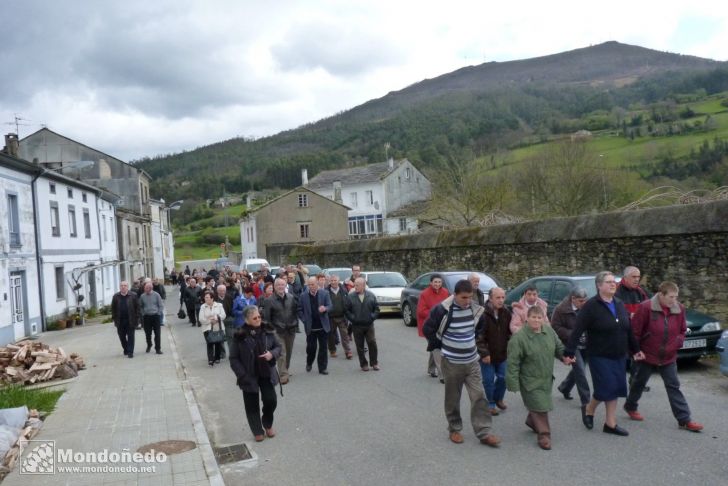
column 492, row 343
column 192, row 297
column 563, row 321
column 362, row 309
column 125, row 314
column 314, row 305
column 226, row 299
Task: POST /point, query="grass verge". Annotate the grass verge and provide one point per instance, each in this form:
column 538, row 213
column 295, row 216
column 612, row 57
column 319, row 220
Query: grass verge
column 16, row 396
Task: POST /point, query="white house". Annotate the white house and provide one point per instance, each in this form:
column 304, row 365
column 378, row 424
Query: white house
column 373, row 192
column 162, row 239
column 20, row 303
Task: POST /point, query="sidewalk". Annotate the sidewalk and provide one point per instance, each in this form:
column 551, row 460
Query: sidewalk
column 119, row 403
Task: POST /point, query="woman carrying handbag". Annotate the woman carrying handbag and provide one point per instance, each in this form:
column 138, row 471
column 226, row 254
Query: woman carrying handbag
column 211, row 316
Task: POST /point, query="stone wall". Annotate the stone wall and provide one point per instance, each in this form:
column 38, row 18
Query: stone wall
column 687, row 244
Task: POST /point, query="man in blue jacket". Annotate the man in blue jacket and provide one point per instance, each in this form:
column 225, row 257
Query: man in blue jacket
column 313, row 310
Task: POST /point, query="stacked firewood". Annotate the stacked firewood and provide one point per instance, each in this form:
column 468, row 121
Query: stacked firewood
column 31, row 429
column 29, row 362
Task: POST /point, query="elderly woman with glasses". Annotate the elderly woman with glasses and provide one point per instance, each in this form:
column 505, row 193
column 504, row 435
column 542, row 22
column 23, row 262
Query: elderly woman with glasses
column 253, row 360
column 606, row 321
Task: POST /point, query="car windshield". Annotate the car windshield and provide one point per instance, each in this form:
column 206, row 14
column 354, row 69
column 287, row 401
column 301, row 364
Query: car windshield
column 486, row 283
column 588, row 284
column 381, row 280
column 313, row 270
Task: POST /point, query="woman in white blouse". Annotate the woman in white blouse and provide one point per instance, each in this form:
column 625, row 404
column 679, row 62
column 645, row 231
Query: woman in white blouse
column 211, row 318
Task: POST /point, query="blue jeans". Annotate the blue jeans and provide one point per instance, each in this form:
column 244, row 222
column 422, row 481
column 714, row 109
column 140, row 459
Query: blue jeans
column 494, row 381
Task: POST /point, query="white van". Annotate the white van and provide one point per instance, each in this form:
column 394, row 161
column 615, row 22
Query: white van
column 254, row 264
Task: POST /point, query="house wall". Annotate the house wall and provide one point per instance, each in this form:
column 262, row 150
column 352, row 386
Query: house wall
column 109, row 252
column 18, row 259
column 401, row 190
column 249, row 238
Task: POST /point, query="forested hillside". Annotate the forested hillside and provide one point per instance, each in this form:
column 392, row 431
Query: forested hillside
column 616, row 91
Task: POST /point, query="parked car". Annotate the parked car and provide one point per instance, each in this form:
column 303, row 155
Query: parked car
column 254, row 264
column 722, row 348
column 387, row 287
column 342, row 272
column 411, row 293
column 703, row 330
column 313, row 269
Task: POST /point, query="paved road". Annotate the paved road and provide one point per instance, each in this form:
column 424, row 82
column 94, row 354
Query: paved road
column 388, row 427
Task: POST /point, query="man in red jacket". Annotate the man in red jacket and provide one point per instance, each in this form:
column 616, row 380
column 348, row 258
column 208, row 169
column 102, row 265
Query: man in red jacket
column 659, row 326
column 429, row 298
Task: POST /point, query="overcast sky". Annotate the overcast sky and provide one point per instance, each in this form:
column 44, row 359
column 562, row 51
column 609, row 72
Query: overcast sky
column 137, row 78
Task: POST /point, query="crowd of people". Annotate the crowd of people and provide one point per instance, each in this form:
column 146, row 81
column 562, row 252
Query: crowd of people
column 474, row 340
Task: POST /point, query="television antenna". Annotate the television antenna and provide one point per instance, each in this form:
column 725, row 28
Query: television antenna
column 17, row 119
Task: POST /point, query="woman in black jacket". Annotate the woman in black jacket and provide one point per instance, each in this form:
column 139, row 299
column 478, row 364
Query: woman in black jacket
column 253, row 359
column 607, row 324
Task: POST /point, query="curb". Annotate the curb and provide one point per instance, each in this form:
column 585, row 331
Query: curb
column 203, row 440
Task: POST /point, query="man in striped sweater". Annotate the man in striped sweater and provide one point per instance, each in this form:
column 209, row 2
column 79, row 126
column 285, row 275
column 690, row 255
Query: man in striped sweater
column 451, row 327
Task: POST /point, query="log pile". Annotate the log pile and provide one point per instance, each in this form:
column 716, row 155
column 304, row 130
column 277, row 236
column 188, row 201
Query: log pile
column 31, row 429
column 29, row 362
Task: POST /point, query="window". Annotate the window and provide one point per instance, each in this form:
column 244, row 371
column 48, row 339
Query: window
column 303, row 228
column 136, row 231
column 60, row 284
column 128, row 235
column 111, row 227
column 70, row 193
column 408, row 173
column 83, row 197
column 371, row 226
column 72, row 221
column 403, row 224
column 52, row 187
column 303, row 200
column 86, row 223
column 352, row 198
column 369, row 195
column 560, row 291
column 55, row 220
column 13, row 220
column 103, row 223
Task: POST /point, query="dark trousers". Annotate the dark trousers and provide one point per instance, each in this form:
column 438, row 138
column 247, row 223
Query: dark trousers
column 362, row 333
column 214, row 350
column 126, row 336
column 340, row 324
column 642, row 373
column 191, row 312
column 152, row 323
column 577, row 376
column 252, row 406
column 316, row 345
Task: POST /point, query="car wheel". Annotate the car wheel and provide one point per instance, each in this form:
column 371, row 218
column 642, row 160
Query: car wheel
column 407, row 316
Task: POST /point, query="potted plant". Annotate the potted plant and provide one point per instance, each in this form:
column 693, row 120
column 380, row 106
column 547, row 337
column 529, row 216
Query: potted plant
column 60, row 323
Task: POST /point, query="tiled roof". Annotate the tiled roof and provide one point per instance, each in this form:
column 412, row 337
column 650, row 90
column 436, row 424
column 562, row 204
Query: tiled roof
column 416, row 208
column 353, row 175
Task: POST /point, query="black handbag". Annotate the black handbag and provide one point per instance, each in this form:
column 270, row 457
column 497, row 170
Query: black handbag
column 181, row 313
column 214, row 337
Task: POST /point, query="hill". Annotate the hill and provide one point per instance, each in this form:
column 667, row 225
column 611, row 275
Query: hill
column 479, row 109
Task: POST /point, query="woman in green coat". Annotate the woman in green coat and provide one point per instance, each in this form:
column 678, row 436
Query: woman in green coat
column 531, row 353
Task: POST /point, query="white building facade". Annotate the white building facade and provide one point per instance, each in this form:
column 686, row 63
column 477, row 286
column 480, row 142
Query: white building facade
column 20, row 303
column 374, row 191
column 162, row 239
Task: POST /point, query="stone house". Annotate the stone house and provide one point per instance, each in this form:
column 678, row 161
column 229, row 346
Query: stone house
column 298, row 216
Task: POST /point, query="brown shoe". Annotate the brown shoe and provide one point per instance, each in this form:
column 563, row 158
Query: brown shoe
column 456, row 437
column 494, row 411
column 544, row 441
column 349, row 355
column 334, row 355
column 284, row 381
column 365, row 368
column 270, row 432
column 490, row 440
column 259, row 438
column 501, row 404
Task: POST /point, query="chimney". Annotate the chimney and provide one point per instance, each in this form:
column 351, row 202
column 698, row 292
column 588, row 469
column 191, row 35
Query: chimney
column 390, row 161
column 11, row 144
column 337, row 191
column 248, row 202
column 304, row 177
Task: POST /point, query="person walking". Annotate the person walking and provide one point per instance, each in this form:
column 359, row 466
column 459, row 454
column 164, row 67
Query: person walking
column 531, row 354
column 492, row 343
column 125, row 315
column 152, row 308
column 361, row 309
column 563, row 320
column 337, row 317
column 632, row 295
column 451, row 327
column 159, row 288
column 313, row 309
column 224, row 296
column 519, row 309
column 659, row 326
column 192, row 295
column 610, row 340
column 253, row 359
column 212, row 317
column 281, row 311
column 429, row 298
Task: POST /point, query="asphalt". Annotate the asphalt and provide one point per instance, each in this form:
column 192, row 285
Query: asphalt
column 388, row 427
